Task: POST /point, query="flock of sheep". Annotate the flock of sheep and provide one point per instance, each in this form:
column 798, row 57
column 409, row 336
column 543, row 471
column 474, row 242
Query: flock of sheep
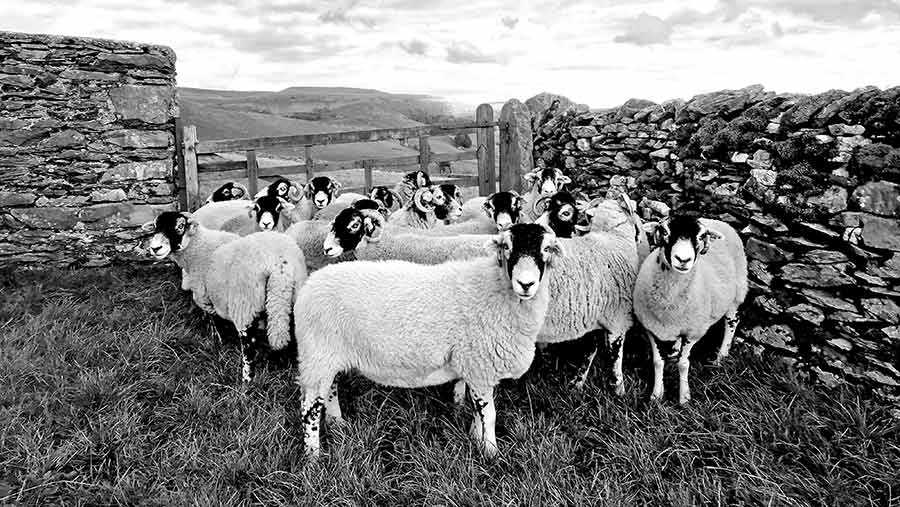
column 442, row 290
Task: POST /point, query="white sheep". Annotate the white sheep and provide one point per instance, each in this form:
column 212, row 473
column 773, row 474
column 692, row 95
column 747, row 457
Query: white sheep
column 592, row 286
column 236, row 278
column 227, row 192
column 696, row 276
column 409, row 184
column 484, row 215
column 366, row 316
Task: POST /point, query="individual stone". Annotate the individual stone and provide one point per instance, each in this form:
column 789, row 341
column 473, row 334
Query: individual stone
column 807, row 313
column 824, row 139
column 141, row 139
column 877, row 197
column 765, row 177
column 824, row 257
column 822, row 298
column 833, row 200
column 884, row 309
column 46, row 218
column 758, row 270
column 9, row 199
column 114, row 61
column 150, row 104
column 583, row 144
column 587, row 131
column 727, row 189
column 807, row 107
column 657, row 207
column 121, row 214
column 87, row 75
column 661, row 153
column 739, row 158
column 114, row 195
column 846, row 145
column 622, row 161
column 852, row 318
column 149, row 170
column 769, row 222
column 842, row 129
column 881, row 378
column 63, row 139
column 869, row 279
column 768, row 304
column 762, row 159
column 663, row 166
column 777, row 336
column 766, row 252
column 821, row 275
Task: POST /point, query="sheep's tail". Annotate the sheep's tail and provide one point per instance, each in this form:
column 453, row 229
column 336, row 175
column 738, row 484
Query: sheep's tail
column 280, row 304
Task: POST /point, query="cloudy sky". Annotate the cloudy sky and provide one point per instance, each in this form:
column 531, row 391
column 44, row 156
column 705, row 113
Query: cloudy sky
column 600, row 52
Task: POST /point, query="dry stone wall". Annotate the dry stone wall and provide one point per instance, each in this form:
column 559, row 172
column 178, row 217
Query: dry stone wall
column 86, row 147
column 811, row 182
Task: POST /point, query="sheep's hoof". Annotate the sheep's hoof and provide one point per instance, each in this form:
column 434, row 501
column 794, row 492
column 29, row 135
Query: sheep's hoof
column 656, row 397
column 619, row 390
column 577, row 384
column 459, row 394
column 489, row 449
column 337, row 422
column 684, row 400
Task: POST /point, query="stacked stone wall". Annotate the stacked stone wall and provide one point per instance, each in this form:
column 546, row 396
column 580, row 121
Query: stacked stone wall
column 87, row 136
column 811, row 182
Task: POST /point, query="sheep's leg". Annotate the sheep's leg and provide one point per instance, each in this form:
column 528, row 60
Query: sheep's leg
column 731, row 324
column 579, row 381
column 684, row 366
column 616, row 346
column 459, row 392
column 311, row 415
column 333, row 405
column 248, row 354
column 482, row 429
column 657, row 392
column 224, row 329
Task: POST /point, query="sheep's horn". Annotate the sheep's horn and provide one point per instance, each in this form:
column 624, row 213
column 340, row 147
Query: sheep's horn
column 378, row 220
column 419, row 203
column 397, row 197
column 245, row 193
column 537, row 204
column 583, row 228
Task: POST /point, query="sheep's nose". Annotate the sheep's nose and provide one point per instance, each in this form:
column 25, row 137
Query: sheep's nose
column 680, row 260
column 329, row 250
column 155, row 249
column 526, row 285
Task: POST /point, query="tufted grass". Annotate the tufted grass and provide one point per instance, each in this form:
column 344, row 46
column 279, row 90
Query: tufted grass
column 113, row 392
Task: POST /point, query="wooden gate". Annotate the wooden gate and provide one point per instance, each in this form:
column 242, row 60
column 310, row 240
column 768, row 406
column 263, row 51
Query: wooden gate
column 192, row 168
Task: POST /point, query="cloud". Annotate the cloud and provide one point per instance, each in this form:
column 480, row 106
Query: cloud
column 414, row 47
column 340, row 17
column 276, row 45
column 464, row 52
column 510, row 22
column 777, row 31
column 645, row 30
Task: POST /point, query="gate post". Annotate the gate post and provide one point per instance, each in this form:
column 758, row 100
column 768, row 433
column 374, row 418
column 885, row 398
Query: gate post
column 516, row 145
column 487, row 175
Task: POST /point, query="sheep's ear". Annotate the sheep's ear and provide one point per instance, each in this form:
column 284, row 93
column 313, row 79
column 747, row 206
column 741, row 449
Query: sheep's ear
column 707, row 237
column 308, row 190
column 335, row 187
column 553, row 247
column 149, row 227
column 421, row 179
column 531, row 177
column 496, row 245
column 563, row 180
column 655, row 231
column 487, row 207
column 519, row 202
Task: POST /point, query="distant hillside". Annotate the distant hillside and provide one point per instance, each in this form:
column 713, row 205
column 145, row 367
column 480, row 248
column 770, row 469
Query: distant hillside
column 219, row 113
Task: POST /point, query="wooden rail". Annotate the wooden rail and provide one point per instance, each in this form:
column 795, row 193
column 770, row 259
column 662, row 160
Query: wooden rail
column 194, row 156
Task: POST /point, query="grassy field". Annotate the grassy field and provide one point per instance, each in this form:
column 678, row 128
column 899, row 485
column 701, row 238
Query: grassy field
column 113, row 392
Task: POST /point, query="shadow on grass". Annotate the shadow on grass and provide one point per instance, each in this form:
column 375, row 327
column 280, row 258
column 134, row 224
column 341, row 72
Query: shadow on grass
column 113, row 390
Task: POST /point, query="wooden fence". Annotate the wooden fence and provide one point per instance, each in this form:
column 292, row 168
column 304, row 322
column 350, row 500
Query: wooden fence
column 191, row 167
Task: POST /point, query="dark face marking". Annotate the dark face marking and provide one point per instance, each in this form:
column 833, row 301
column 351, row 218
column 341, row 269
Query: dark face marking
column 171, row 227
column 563, row 214
column 418, row 179
column 226, row 192
column 349, row 227
column 452, row 206
column 268, row 207
column 679, row 228
column 280, row 188
column 321, row 190
column 505, row 202
column 383, row 195
column 527, row 241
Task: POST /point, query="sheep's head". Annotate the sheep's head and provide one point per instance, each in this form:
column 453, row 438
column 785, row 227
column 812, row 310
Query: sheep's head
column 504, row 208
column 682, row 239
column 284, row 189
column 353, row 229
column 451, row 210
column 267, row 210
column 547, row 181
column 322, row 190
column 171, row 232
column 559, row 212
column 228, row 192
column 384, row 195
column 417, row 179
column 524, row 251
